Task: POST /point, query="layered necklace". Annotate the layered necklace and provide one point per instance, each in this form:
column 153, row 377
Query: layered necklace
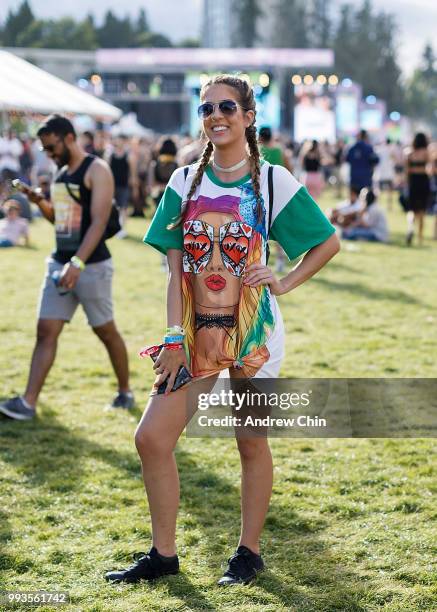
column 231, row 168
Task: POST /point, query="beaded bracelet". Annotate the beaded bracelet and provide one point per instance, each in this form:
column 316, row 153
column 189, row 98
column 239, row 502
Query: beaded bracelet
column 152, row 350
column 173, row 339
column 175, row 329
column 173, row 347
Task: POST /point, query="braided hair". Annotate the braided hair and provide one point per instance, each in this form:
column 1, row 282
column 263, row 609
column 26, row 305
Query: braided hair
column 247, row 102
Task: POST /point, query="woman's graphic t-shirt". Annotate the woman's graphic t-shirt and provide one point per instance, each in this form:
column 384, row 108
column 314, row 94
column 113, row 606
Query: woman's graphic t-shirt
column 224, row 230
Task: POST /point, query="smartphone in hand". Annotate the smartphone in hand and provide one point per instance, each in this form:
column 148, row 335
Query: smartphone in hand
column 182, row 378
column 33, row 194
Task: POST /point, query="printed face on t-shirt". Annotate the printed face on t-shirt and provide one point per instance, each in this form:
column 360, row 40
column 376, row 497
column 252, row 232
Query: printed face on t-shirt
column 215, row 252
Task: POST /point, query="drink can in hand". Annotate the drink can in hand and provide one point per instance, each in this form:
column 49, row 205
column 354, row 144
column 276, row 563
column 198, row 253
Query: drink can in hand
column 56, row 277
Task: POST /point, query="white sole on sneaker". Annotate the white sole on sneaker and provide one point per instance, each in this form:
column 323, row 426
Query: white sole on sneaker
column 14, row 415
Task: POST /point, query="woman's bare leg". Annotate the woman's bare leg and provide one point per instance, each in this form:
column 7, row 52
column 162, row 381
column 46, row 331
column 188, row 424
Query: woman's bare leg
column 157, row 434
column 161, row 425
column 256, row 488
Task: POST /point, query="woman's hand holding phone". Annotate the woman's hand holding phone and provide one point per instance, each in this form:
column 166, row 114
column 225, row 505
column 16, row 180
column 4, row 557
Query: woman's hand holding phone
column 167, row 366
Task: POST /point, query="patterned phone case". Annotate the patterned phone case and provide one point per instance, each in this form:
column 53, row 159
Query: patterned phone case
column 182, row 378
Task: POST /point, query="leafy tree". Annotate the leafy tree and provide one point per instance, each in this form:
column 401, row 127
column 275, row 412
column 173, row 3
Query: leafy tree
column 16, row 23
column 365, row 51
column 64, row 33
column 319, row 24
column 189, row 42
column 33, row 35
column 247, row 13
column 421, row 94
column 150, row 39
column 344, row 45
column 22, row 29
column 85, row 35
column 115, row 32
column 142, row 25
column 290, row 24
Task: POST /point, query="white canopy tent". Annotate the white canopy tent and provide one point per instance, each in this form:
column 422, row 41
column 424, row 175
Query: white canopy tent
column 129, row 126
column 25, row 87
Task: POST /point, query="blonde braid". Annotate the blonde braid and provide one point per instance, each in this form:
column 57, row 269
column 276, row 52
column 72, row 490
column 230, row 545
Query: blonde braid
column 207, row 151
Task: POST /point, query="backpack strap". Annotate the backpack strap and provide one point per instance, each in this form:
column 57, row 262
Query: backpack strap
column 83, row 169
column 270, row 187
column 186, row 168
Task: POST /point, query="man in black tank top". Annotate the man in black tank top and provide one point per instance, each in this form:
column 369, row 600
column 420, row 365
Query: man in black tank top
column 123, row 168
column 79, row 208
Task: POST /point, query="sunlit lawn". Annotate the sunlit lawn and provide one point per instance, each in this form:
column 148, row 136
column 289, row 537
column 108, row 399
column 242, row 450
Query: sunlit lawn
column 352, row 522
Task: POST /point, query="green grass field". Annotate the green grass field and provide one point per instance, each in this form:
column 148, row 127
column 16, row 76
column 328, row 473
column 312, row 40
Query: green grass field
column 352, row 523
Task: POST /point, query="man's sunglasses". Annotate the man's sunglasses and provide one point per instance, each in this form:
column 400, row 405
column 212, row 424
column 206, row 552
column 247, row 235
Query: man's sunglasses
column 50, row 148
column 226, row 107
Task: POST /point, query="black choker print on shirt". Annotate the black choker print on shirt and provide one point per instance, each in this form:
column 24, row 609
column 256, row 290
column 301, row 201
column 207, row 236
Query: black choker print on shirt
column 214, row 320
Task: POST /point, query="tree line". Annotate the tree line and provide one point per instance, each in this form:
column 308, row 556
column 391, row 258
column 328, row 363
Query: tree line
column 364, row 42
column 22, row 29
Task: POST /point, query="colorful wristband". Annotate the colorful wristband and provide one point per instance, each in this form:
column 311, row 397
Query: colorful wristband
column 77, row 263
column 173, row 347
column 173, row 339
column 149, row 350
column 175, row 329
column 155, row 349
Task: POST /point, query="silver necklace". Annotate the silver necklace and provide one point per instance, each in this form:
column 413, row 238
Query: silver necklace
column 231, row 168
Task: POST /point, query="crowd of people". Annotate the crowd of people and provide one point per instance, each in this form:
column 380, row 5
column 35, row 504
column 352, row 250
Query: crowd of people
column 213, row 220
column 142, row 167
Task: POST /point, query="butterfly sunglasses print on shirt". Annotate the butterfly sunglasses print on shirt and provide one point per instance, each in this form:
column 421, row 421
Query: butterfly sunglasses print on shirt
column 234, row 240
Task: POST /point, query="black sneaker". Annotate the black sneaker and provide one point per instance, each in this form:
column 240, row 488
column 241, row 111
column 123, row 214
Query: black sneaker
column 123, row 400
column 146, row 567
column 243, row 567
column 14, row 408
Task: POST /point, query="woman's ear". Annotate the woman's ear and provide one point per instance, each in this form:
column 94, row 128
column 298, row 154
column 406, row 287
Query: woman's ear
column 249, row 118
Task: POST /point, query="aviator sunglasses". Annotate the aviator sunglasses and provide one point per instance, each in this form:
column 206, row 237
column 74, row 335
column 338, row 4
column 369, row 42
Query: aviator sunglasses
column 50, row 148
column 227, row 107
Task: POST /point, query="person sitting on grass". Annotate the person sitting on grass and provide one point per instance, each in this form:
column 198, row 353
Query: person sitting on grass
column 372, row 223
column 346, row 212
column 14, row 230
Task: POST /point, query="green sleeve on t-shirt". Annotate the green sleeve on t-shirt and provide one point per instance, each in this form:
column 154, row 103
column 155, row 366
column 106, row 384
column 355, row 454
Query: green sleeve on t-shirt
column 158, row 236
column 300, row 225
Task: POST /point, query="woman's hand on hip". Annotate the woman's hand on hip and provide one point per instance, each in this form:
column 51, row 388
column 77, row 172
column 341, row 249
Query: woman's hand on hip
column 256, row 274
column 167, row 367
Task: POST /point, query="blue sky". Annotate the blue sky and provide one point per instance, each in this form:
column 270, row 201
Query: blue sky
column 180, row 19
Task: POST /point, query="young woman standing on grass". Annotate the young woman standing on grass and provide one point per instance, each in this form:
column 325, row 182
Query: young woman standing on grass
column 213, row 225
column 419, row 186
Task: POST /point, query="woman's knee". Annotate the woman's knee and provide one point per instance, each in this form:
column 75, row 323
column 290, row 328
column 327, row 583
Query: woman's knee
column 151, row 444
